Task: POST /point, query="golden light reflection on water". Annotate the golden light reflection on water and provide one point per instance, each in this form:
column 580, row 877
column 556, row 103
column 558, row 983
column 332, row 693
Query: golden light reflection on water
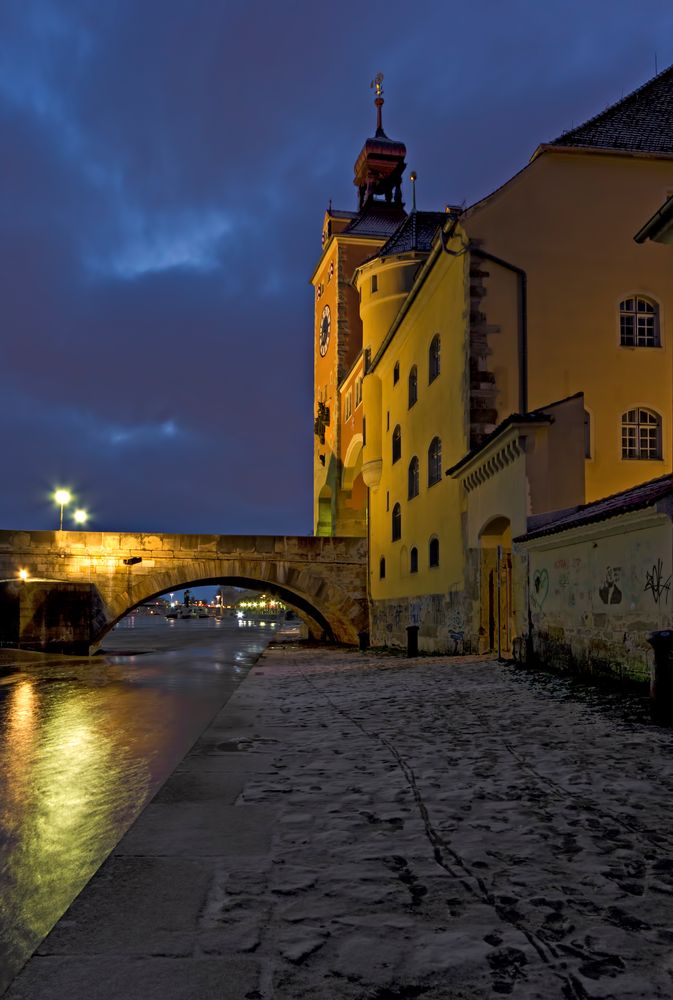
column 64, row 796
column 83, row 745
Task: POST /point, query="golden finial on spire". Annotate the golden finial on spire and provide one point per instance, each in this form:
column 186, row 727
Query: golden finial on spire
column 377, row 85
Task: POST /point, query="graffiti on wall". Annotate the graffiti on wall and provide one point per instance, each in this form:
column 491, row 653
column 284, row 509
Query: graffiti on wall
column 655, row 583
column 609, row 590
column 540, row 590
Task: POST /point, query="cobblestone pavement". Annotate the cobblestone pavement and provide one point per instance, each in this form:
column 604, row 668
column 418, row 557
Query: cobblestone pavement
column 458, row 828
column 443, row 829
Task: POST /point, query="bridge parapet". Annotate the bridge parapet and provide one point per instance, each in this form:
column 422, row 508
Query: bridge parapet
column 325, row 578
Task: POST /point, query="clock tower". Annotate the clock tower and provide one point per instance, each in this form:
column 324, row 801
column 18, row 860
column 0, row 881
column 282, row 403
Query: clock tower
column 349, row 238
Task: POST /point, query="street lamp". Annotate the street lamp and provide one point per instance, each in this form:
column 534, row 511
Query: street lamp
column 23, row 575
column 62, row 497
column 80, row 516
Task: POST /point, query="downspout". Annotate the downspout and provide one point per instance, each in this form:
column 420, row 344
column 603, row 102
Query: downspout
column 522, row 306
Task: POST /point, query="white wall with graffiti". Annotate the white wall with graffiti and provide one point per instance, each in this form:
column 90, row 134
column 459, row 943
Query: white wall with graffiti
column 596, row 591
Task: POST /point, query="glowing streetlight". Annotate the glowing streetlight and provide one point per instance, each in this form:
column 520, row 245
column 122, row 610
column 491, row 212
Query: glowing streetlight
column 80, row 516
column 62, row 497
column 23, row 575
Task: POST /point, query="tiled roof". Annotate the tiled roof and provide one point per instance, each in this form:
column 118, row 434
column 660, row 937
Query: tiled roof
column 416, row 232
column 376, row 220
column 641, row 121
column 636, row 498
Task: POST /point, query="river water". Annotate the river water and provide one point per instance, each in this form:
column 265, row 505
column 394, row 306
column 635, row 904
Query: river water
column 85, row 743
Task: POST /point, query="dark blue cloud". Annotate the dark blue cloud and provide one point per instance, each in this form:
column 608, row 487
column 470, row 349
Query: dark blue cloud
column 165, row 170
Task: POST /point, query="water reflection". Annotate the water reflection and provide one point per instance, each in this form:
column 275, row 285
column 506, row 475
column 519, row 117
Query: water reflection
column 84, row 744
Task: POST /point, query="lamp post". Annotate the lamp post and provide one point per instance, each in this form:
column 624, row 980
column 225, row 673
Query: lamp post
column 62, row 497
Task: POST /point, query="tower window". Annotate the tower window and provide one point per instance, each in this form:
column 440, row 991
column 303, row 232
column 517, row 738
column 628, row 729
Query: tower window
column 434, row 461
column 382, row 568
column 638, row 323
column 413, row 560
column 397, row 444
column 433, row 551
column 413, row 386
column 396, row 523
column 641, row 434
column 413, row 478
column 396, row 373
column 433, row 358
column 375, row 283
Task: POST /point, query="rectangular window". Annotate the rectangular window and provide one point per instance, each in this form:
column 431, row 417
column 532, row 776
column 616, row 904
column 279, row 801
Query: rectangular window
column 375, row 283
column 358, row 392
column 348, row 406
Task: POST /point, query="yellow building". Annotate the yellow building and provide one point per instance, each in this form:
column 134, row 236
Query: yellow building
column 524, row 345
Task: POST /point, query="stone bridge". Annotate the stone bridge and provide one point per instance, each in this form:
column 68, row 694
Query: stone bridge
column 80, row 583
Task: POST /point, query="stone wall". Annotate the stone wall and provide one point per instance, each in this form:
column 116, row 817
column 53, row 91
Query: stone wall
column 440, row 618
column 596, row 592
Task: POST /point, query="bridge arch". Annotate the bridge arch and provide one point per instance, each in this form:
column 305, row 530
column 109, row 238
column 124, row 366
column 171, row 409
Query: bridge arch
column 110, row 573
column 321, row 626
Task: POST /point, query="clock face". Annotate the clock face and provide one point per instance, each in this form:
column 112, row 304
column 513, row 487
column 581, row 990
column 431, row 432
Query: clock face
column 325, row 324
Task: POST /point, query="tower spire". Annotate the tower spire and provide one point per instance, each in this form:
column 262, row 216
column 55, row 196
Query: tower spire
column 377, row 85
column 380, row 165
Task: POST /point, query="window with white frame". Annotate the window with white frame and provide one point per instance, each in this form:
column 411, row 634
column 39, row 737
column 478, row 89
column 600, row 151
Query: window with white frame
column 638, row 322
column 348, row 405
column 358, row 391
column 641, row 434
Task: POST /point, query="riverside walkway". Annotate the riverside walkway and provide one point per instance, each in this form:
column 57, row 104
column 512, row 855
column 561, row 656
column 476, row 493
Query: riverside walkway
column 372, row 828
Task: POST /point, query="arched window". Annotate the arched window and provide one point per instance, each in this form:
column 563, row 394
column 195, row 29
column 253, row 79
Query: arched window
column 382, row 568
column 396, row 523
column 434, row 461
column 413, row 478
column 413, row 560
column 413, row 386
column 397, row 444
column 396, row 373
column 433, row 551
column 641, row 434
column 638, row 322
column 433, row 358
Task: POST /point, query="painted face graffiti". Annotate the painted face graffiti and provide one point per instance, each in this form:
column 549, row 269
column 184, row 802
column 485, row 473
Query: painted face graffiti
column 608, row 591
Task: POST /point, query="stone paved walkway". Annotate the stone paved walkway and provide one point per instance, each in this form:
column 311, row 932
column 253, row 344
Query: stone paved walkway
column 372, row 828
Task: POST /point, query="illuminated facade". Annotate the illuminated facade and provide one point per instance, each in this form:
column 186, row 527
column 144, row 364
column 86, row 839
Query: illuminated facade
column 515, row 358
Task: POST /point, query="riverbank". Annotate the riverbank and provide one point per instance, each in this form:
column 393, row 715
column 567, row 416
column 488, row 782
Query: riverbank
column 360, row 826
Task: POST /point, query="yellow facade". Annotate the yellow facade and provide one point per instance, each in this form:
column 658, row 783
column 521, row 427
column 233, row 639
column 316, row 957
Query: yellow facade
column 527, row 293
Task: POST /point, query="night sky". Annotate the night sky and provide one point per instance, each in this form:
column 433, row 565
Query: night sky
column 165, row 168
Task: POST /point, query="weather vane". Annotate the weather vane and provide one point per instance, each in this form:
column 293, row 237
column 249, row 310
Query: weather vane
column 377, row 84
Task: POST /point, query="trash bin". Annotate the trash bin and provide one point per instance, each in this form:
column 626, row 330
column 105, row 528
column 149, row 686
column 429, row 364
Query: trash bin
column 412, row 640
column 661, row 676
column 363, row 639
